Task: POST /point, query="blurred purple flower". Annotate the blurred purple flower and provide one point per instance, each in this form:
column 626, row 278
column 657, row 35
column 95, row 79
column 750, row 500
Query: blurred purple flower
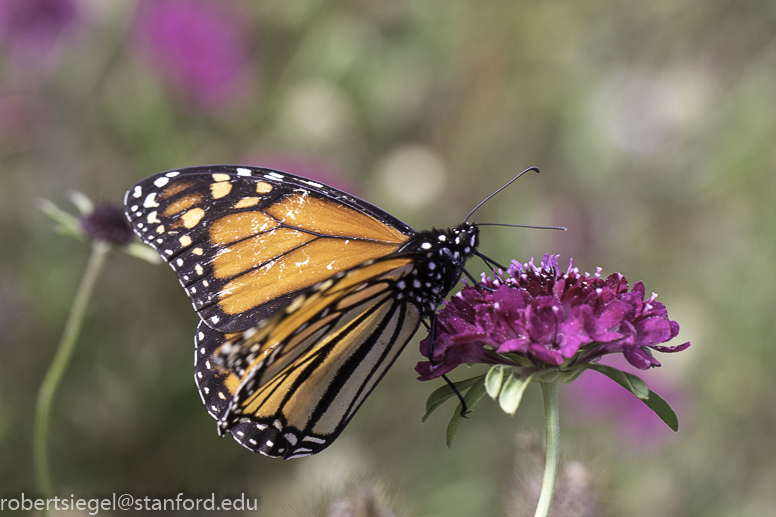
column 33, row 30
column 595, row 397
column 107, row 223
column 548, row 318
column 198, row 47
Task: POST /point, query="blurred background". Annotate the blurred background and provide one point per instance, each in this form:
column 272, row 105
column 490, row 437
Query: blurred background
column 654, row 124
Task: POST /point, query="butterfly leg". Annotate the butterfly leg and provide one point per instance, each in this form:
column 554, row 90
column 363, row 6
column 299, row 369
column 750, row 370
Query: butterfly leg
column 489, row 262
column 432, row 336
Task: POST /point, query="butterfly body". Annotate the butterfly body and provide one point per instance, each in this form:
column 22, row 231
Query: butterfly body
column 306, row 294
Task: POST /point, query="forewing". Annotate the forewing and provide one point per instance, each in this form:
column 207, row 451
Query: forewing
column 246, row 241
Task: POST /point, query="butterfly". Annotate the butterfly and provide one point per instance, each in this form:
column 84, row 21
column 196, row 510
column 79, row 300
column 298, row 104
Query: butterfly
column 306, row 294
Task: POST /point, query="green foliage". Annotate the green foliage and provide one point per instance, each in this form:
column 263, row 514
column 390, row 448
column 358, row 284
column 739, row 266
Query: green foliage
column 441, row 394
column 473, row 395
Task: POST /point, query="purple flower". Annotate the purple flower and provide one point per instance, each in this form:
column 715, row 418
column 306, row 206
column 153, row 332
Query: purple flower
column 540, row 316
column 32, row 30
column 595, row 398
column 107, row 223
column 198, row 47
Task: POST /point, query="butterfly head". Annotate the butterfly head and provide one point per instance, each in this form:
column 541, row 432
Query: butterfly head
column 445, row 252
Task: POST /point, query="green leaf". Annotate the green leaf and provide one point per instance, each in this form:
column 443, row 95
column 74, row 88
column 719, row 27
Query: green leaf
column 627, row 380
column 471, row 398
column 639, row 388
column 81, row 202
column 439, row 395
column 656, row 403
column 494, row 378
column 67, row 223
column 143, row 252
column 567, row 376
column 512, row 393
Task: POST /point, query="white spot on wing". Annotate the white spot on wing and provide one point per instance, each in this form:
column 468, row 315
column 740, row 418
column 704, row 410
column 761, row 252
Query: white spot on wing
column 160, row 182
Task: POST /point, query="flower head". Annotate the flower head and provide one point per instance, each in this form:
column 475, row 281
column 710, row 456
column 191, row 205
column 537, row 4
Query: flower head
column 107, row 223
column 104, row 222
column 541, row 316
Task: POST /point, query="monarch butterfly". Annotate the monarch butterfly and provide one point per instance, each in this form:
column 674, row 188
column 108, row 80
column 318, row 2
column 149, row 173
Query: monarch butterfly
column 306, row 294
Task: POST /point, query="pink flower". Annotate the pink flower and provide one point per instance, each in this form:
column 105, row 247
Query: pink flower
column 32, row 31
column 198, row 47
column 545, row 317
column 594, row 398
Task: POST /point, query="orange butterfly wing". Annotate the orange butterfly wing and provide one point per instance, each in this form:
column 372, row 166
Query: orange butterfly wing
column 246, row 241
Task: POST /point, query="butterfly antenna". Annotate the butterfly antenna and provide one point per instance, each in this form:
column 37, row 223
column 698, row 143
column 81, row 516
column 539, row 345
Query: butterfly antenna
column 525, row 226
column 499, row 190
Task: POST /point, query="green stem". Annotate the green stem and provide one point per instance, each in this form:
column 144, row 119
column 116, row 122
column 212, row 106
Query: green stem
column 550, row 393
column 48, row 387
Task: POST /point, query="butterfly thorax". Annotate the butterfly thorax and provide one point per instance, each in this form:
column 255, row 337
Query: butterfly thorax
column 445, row 252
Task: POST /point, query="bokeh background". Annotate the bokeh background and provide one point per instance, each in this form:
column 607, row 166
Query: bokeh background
column 654, row 124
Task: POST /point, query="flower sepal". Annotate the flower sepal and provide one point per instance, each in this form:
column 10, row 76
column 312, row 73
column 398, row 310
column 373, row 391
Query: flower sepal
column 507, row 384
column 570, row 375
column 67, row 223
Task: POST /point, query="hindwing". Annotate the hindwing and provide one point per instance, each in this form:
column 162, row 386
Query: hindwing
column 288, row 388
